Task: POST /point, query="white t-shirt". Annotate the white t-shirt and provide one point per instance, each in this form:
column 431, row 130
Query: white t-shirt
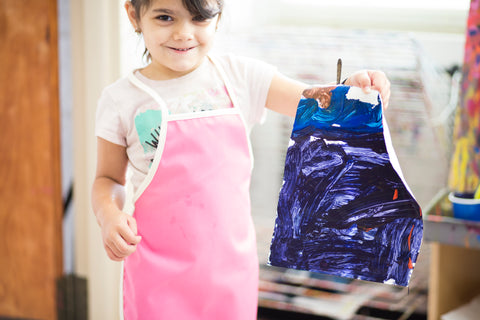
column 129, row 117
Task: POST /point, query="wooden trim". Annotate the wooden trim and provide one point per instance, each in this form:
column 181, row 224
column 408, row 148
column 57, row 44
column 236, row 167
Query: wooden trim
column 30, row 192
column 454, row 278
column 56, row 163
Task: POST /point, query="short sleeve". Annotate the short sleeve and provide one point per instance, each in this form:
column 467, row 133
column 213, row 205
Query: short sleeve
column 251, row 79
column 108, row 123
column 259, row 77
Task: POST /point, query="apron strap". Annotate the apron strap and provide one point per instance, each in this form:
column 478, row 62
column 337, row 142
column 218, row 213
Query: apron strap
column 226, row 81
column 165, row 113
column 155, row 96
column 148, row 90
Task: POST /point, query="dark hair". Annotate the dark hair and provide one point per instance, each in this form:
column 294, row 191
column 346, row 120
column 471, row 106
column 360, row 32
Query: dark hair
column 201, row 8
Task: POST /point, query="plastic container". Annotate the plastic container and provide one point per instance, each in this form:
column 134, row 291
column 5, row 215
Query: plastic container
column 465, row 208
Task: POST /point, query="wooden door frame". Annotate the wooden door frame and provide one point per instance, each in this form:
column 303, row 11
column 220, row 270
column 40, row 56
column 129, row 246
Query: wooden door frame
column 31, row 210
column 95, row 64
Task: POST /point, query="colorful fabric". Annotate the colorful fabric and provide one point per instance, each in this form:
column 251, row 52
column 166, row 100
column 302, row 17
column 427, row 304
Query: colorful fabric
column 465, row 168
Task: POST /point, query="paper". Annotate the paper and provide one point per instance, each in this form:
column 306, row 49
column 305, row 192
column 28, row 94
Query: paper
column 344, row 208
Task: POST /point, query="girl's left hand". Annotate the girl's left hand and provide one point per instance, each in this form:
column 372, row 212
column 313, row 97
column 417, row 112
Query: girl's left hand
column 371, row 80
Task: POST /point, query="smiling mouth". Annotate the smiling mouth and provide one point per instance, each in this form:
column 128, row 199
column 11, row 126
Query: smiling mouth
column 182, row 49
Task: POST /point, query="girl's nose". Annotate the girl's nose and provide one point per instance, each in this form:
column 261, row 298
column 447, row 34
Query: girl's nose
column 183, row 31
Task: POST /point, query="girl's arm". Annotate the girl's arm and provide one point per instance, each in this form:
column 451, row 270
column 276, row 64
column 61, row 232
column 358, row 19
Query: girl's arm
column 119, row 230
column 284, row 93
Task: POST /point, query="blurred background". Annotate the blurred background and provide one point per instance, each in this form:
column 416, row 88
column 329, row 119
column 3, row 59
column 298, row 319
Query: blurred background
column 418, row 44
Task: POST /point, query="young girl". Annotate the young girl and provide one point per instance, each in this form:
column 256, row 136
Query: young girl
column 181, row 125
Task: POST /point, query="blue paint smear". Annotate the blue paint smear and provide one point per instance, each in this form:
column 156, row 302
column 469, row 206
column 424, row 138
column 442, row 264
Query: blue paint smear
column 352, row 115
column 343, row 209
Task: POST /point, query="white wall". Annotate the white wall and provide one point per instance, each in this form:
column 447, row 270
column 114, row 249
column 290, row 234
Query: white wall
column 423, row 15
column 437, row 24
column 95, row 64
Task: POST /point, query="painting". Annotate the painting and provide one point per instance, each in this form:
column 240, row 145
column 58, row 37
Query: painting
column 465, row 167
column 344, row 208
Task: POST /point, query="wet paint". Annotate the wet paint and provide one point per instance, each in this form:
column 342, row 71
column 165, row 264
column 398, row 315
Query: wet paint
column 343, row 209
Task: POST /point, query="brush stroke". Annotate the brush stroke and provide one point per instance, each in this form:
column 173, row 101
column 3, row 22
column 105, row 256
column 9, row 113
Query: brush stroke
column 343, row 209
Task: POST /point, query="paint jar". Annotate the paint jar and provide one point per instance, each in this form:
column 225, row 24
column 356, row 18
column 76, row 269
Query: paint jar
column 465, row 208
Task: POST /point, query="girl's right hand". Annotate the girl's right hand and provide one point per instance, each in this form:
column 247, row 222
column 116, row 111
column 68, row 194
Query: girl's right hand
column 119, row 230
column 119, row 233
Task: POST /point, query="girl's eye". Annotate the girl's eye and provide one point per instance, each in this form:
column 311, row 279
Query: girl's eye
column 164, row 17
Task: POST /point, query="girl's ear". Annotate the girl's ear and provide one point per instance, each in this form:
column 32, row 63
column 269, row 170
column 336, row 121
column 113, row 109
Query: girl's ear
column 132, row 16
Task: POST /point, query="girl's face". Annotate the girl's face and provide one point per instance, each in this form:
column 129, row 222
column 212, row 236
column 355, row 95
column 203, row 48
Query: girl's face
column 177, row 41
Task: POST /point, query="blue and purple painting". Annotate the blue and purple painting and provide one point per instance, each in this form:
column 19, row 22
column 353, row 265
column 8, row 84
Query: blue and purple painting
column 343, row 209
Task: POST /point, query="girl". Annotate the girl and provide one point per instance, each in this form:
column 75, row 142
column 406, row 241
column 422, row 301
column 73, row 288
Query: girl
column 181, row 125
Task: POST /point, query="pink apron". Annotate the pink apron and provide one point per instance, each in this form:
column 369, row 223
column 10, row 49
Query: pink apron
column 197, row 258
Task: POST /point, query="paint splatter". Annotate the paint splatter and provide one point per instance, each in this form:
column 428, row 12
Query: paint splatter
column 343, row 209
column 465, row 165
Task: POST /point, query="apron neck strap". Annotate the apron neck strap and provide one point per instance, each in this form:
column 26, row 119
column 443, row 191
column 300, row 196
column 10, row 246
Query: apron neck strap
column 225, row 79
column 148, row 90
column 155, row 96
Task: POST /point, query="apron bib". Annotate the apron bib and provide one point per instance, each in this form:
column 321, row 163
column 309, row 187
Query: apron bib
column 197, row 258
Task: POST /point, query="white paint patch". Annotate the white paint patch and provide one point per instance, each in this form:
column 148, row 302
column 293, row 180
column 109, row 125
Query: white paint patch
column 312, row 138
column 291, row 143
column 336, row 125
column 356, row 93
column 342, row 143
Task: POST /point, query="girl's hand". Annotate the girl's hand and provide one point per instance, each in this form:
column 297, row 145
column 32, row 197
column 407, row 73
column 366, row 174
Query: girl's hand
column 119, row 234
column 371, row 80
column 119, row 230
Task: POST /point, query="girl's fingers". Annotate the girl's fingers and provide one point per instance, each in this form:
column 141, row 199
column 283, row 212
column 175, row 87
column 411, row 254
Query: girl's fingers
column 134, row 238
column 120, row 247
column 362, row 79
column 120, row 236
column 113, row 256
column 381, row 83
column 124, row 246
column 129, row 233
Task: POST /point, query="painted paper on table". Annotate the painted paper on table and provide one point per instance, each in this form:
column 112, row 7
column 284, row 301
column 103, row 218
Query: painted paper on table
column 344, row 208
